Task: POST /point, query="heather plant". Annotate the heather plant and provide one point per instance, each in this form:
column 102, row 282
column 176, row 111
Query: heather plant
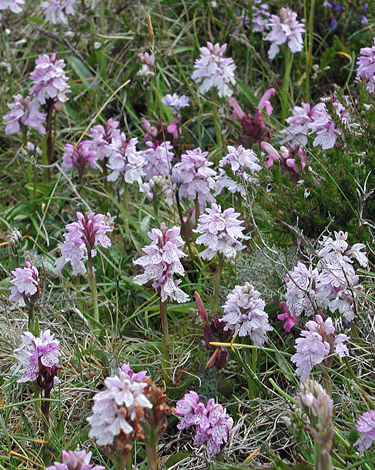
column 233, row 145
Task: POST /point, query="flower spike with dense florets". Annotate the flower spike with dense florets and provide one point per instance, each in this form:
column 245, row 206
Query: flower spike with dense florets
column 81, row 237
column 196, row 175
column 161, row 261
column 212, row 422
column 49, row 79
column 366, row 67
column 102, row 138
column 212, row 70
column 366, row 426
column 317, row 345
column 55, row 11
column 79, row 156
column 285, row 29
column 126, row 161
column 25, row 288
column 158, row 159
column 24, row 111
column 244, row 312
column 175, row 103
column 221, row 232
column 75, row 460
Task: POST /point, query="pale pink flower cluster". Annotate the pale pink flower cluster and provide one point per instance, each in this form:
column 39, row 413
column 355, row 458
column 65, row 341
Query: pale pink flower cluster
column 333, row 284
column 316, row 344
column 175, row 103
column 244, row 312
column 37, row 357
column 49, row 81
column 366, row 426
column 126, row 161
column 75, row 460
column 196, row 174
column 243, row 163
column 317, row 121
column 25, row 288
column 116, row 407
column 212, row 422
column 148, row 64
column 366, row 67
column 81, row 237
column 260, row 16
column 221, row 232
column 56, row 11
column 158, row 159
column 24, row 111
column 285, row 28
column 212, row 70
column 79, row 156
column 102, row 138
column 161, row 261
column 12, row 5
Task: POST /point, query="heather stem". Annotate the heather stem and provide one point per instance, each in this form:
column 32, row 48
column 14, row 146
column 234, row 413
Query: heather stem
column 166, row 358
column 219, row 270
column 288, row 59
column 93, row 287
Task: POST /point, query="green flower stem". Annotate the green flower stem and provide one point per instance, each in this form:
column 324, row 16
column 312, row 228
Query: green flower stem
column 217, row 123
column 33, row 321
column 121, row 463
column 326, row 380
column 183, row 228
column 151, row 450
column 309, row 39
column 284, row 98
column 94, row 290
column 166, row 362
column 322, row 457
column 218, row 273
column 125, row 199
column 251, row 356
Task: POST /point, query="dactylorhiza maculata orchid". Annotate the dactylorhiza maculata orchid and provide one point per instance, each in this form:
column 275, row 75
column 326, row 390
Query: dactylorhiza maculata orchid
column 366, row 67
column 79, row 156
column 24, row 112
column 125, row 160
column 212, row 70
column 244, row 164
column 317, row 407
column 331, row 284
column 38, row 362
column 75, row 460
column 366, row 427
column 212, row 423
column 12, row 5
column 196, row 176
column 130, row 408
column 285, row 29
column 161, row 261
column 56, row 11
column 78, row 249
column 317, row 345
column 25, row 290
column 244, row 313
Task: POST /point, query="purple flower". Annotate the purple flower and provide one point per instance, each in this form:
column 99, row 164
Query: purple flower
column 116, row 408
column 148, row 63
column 196, row 174
column 158, row 159
column 286, row 157
column 366, row 426
column 213, row 70
column 161, row 261
column 175, row 103
column 75, row 460
column 285, row 29
column 26, row 112
column 81, row 237
column 56, row 10
column 290, row 321
column 38, row 359
column 49, row 81
column 317, row 344
column 220, row 231
column 25, row 289
column 260, row 16
column 126, row 160
column 244, row 312
column 102, row 137
column 12, row 5
column 212, row 422
column 79, row 156
column 366, row 67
